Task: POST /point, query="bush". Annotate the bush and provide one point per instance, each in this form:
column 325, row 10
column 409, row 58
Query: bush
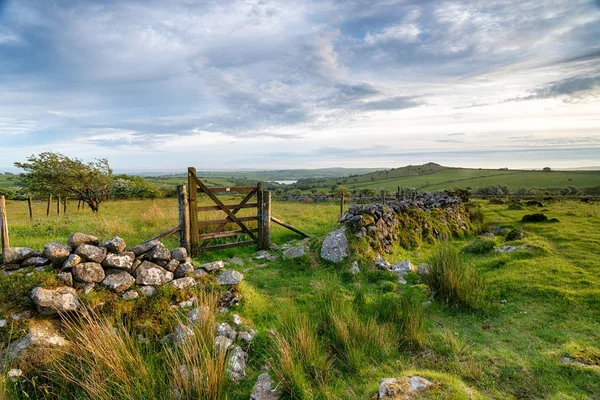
column 515, row 206
column 538, row 217
column 515, row 234
column 475, row 214
column 454, row 284
column 480, row 246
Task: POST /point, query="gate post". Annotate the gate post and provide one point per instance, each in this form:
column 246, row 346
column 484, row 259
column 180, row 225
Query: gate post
column 184, row 218
column 3, row 224
column 264, row 219
column 260, row 216
column 194, row 239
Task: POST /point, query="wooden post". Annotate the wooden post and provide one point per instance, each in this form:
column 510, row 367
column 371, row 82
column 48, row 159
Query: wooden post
column 260, row 215
column 266, row 221
column 78, row 204
column 384, row 194
column 192, row 202
column 30, row 210
column 65, row 205
column 341, row 206
column 184, row 218
column 398, row 194
column 3, row 224
column 49, row 202
column 58, row 205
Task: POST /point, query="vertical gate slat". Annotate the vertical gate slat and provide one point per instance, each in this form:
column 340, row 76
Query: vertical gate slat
column 194, row 233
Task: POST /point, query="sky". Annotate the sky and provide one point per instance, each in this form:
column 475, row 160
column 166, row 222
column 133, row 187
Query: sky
column 163, row 85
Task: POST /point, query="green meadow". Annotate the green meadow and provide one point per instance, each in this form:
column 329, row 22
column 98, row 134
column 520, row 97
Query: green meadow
column 327, row 334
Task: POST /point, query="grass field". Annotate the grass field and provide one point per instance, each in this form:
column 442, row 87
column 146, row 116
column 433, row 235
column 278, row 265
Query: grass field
column 545, row 305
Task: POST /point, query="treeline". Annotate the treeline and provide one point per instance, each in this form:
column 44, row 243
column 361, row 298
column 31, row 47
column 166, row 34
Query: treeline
column 503, row 190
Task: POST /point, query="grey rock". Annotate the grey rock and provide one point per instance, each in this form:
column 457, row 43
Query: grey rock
column 179, row 254
column 172, row 265
column 15, row 255
column 263, row 389
column 182, row 332
column 237, row 320
column 3, row 323
column 14, row 373
column 130, row 295
column 151, row 274
column 489, row 235
column 91, row 253
column 236, row 261
column 77, row 239
column 506, row 249
column 198, row 314
column 57, row 252
column 122, row 261
column 85, row 287
column 335, row 246
column 183, row 283
column 224, row 329
column 52, row 301
column 570, row 361
column 236, row 366
column 246, row 336
column 229, row 277
column 383, row 264
column 184, row 269
column 423, row 268
column 261, row 255
column 147, row 290
column 295, row 252
column 392, row 388
column 354, row 269
column 65, row 277
column 136, row 264
column 118, row 281
column 200, row 273
column 89, row 272
column 403, row 267
column 71, row 261
column 35, row 262
column 144, row 247
column 115, row 245
column 41, row 335
column 160, row 253
column 427, row 303
column 9, row 268
column 223, row 343
column 213, row 266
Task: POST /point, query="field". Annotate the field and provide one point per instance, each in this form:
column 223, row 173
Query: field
column 544, row 304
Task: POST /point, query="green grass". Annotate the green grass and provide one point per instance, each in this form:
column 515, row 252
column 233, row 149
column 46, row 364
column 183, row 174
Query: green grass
column 336, row 334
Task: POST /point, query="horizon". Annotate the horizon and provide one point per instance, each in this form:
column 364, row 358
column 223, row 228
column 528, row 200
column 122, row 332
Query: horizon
column 161, row 85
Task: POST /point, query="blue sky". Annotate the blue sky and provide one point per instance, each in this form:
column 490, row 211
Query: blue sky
column 162, row 85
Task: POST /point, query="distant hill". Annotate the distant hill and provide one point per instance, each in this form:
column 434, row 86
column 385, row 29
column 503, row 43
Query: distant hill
column 432, row 176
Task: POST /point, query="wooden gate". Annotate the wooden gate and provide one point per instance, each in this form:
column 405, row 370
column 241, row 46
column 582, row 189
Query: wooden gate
column 261, row 201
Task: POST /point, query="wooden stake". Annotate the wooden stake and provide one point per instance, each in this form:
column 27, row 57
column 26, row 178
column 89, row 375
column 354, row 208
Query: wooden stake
column 49, row 202
column 3, row 224
column 30, row 210
column 260, row 215
column 192, row 202
column 266, row 220
column 288, row 226
column 65, row 205
column 341, row 206
column 58, row 205
column 184, row 217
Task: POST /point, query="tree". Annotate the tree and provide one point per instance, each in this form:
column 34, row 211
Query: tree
column 55, row 173
column 342, row 191
column 547, row 169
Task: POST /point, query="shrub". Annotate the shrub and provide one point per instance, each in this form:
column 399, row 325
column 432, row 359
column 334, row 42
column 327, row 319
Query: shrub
column 515, row 206
column 454, row 284
column 475, row 214
column 538, row 217
column 480, row 246
column 515, row 234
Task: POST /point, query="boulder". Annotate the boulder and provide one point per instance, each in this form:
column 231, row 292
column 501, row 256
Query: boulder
column 247, row 336
column 115, row 245
column 295, row 252
column 151, row 274
column 85, row 287
column 41, row 335
column 77, row 239
column 172, row 265
column 223, row 343
column 147, row 290
column 263, row 389
column 402, row 388
column 57, row 253
column 236, row 366
column 122, row 261
column 144, row 247
column 229, row 277
column 179, row 254
column 15, row 255
column 213, row 266
column 403, row 267
column 183, row 283
column 88, row 272
column 65, row 277
column 182, row 332
column 35, row 262
column 224, row 329
column 335, row 246
column 184, row 269
column 91, row 253
column 198, row 314
column 130, row 295
column 52, row 301
column 199, row 273
column 118, row 281
column 236, row 261
column 71, row 261
column 159, row 254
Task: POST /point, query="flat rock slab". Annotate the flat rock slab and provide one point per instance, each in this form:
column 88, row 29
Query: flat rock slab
column 335, row 246
column 402, row 388
column 229, row 277
column 35, row 262
column 71, row 261
column 122, row 261
column 143, row 248
column 213, row 266
column 89, row 272
column 183, row 283
column 15, row 255
column 151, row 274
column 77, row 239
column 295, row 252
column 91, row 253
column 115, row 245
column 118, row 281
column 52, row 301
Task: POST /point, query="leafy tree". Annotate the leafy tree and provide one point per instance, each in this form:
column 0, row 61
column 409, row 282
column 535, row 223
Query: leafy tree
column 547, row 169
column 342, row 191
column 55, row 173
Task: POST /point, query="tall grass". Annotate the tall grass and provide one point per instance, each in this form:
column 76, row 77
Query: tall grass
column 454, row 283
